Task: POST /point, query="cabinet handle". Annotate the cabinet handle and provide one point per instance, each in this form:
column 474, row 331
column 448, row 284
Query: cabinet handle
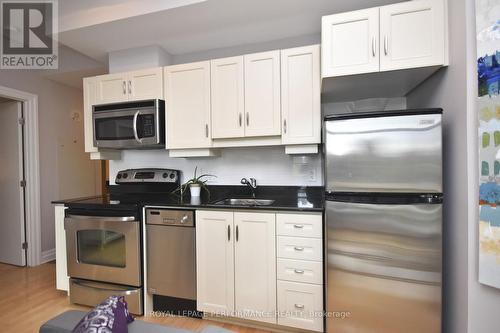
column 228, row 233
column 206, row 130
column 298, row 226
column 129, row 87
column 298, row 271
column 237, row 233
column 239, row 119
column 386, row 45
column 124, row 86
column 284, row 126
column 248, row 119
column 298, row 248
column 299, row 306
column 373, row 46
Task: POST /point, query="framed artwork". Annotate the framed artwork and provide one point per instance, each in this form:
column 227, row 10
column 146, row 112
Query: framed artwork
column 488, row 106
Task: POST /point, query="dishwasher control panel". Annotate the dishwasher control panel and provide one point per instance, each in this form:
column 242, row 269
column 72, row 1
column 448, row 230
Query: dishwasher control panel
column 169, row 217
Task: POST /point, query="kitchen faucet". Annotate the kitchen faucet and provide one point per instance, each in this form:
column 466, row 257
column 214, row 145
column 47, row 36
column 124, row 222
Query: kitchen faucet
column 252, row 183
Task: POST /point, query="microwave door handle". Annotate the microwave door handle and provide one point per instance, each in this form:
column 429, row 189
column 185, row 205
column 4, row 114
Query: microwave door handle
column 136, row 115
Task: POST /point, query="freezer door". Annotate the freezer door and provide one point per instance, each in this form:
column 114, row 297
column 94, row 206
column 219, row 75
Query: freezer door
column 383, row 268
column 384, row 154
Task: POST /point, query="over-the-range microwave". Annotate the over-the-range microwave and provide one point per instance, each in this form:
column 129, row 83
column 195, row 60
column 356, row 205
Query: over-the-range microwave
column 129, row 125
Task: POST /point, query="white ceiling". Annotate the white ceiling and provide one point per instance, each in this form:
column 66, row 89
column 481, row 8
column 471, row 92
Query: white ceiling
column 95, row 27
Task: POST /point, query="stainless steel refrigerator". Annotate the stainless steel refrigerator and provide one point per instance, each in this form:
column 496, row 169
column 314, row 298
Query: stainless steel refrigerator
column 384, row 222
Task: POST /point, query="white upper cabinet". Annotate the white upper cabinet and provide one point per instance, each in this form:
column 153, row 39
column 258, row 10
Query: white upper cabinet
column 145, row 84
column 412, row 34
column 187, row 94
column 228, row 98
column 255, row 265
column 111, row 88
column 350, row 43
column 215, row 261
column 129, row 86
column 262, row 94
column 301, row 95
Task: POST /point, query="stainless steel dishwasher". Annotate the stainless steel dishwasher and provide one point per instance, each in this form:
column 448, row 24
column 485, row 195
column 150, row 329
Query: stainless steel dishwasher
column 171, row 256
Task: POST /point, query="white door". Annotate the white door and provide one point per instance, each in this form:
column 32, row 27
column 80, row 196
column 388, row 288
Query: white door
column 300, row 95
column 412, row 34
column 145, row 84
column 255, row 266
column 187, row 92
column 11, row 193
column 228, row 98
column 262, row 94
column 215, row 261
column 350, row 42
column 111, row 88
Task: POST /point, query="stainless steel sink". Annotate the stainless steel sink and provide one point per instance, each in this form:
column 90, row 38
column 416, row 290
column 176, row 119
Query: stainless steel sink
column 245, row 202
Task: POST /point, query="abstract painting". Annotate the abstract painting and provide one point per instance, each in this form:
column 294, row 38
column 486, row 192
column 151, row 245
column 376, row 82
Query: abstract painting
column 488, row 106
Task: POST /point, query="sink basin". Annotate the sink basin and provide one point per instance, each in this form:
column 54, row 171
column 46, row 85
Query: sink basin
column 245, row 202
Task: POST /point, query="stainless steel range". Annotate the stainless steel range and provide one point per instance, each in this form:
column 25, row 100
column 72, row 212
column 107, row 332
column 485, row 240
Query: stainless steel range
column 104, row 240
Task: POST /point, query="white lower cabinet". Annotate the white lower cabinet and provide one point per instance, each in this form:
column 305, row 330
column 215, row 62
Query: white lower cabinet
column 300, row 270
column 215, row 262
column 300, row 305
column 255, row 266
column 240, row 272
column 236, row 264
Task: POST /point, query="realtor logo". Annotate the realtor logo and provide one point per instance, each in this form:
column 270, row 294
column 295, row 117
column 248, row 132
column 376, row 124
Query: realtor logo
column 28, row 34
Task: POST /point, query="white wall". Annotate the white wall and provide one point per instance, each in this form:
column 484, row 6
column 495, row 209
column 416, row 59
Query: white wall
column 269, row 165
column 57, row 104
column 138, row 58
column 448, row 89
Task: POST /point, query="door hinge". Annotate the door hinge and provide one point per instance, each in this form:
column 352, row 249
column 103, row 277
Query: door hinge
column 22, row 183
column 21, row 121
column 25, row 246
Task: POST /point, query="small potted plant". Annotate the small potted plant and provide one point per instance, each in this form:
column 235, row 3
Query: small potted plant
column 196, row 184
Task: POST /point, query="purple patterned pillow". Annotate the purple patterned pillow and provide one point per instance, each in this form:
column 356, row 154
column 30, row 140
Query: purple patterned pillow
column 111, row 316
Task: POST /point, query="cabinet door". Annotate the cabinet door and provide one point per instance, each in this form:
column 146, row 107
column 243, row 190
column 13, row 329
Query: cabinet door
column 300, row 95
column 350, row 43
column 215, row 261
column 412, row 34
column 262, row 94
column 228, row 104
column 145, row 84
column 89, row 96
column 111, row 88
column 255, row 266
column 187, row 92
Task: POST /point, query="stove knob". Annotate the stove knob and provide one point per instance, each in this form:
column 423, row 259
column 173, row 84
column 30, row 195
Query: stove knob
column 125, row 175
column 119, row 176
column 165, row 175
column 172, row 175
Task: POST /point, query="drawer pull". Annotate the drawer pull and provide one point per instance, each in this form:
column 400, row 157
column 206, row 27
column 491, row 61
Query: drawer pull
column 298, row 226
column 298, row 271
column 298, row 248
column 299, row 306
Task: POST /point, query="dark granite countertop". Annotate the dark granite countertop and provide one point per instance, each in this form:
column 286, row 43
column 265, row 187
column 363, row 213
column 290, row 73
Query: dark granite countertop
column 292, row 198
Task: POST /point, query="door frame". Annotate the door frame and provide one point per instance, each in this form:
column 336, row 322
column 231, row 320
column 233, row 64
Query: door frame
column 32, row 172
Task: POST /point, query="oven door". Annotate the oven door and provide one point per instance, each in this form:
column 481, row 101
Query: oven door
column 131, row 128
column 104, row 249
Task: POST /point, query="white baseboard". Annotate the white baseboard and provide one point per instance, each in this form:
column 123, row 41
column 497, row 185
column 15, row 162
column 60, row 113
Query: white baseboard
column 48, row 255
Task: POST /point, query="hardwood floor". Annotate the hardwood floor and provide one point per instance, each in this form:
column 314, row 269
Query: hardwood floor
column 28, row 298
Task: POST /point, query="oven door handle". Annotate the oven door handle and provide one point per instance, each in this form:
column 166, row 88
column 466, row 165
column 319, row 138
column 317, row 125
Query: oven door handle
column 103, row 218
column 121, row 291
column 136, row 116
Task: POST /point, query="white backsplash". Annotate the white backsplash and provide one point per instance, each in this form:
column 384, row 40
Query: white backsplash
column 269, row 165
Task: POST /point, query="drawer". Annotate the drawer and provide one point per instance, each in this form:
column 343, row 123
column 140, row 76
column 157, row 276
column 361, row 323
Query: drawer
column 300, row 225
column 300, row 305
column 300, row 271
column 300, row 248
